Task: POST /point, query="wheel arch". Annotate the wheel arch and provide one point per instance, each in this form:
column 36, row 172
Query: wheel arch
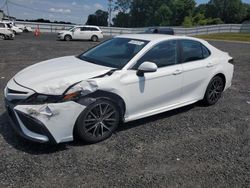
column 100, row 94
column 222, row 76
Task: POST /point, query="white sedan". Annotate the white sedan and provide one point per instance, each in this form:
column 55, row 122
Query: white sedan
column 123, row 79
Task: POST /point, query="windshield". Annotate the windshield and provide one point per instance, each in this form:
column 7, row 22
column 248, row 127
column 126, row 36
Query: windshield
column 70, row 28
column 116, row 52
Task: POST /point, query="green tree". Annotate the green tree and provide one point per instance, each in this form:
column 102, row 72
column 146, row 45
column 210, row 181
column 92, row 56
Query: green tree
column 182, row 9
column 100, row 18
column 122, row 20
column 123, row 5
column 188, row 21
column 143, row 13
column 163, row 15
column 230, row 11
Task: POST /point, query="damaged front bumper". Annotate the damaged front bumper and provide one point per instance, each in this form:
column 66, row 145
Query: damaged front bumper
column 52, row 123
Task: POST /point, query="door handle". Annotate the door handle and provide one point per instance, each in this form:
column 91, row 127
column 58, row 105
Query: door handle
column 177, row 72
column 210, row 65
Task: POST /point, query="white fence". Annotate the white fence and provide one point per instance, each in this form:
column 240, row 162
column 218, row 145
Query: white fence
column 221, row 28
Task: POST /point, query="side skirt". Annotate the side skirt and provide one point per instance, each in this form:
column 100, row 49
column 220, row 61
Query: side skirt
column 158, row 111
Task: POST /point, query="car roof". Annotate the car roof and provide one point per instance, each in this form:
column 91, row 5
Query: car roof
column 6, row 21
column 87, row 26
column 157, row 37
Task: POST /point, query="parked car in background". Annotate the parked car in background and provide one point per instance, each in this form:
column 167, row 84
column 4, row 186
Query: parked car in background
column 126, row 78
column 159, row 30
column 84, row 32
column 5, row 33
column 25, row 28
column 15, row 29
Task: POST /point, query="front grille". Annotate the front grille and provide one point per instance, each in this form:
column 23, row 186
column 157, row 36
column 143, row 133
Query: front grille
column 13, row 118
column 30, row 123
column 16, row 97
column 12, row 115
column 16, row 92
column 16, row 101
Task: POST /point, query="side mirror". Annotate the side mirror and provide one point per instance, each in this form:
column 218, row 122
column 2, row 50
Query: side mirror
column 146, row 67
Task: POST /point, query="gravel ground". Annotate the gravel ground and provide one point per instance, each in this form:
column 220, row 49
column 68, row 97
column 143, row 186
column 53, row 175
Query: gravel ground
column 194, row 146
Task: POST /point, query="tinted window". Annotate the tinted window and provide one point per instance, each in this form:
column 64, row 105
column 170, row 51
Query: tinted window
column 2, row 25
column 116, row 52
column 84, row 29
column 191, row 50
column 163, row 54
column 93, row 29
column 205, row 51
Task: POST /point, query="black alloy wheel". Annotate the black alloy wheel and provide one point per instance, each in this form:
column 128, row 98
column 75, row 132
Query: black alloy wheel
column 214, row 91
column 98, row 121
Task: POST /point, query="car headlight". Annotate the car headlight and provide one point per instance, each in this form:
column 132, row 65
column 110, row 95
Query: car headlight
column 80, row 89
column 41, row 98
column 74, row 92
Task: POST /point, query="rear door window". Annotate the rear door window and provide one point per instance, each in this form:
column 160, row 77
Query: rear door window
column 191, row 51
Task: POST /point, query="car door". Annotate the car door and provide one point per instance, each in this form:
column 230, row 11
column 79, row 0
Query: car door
column 85, row 33
column 76, row 33
column 155, row 91
column 197, row 69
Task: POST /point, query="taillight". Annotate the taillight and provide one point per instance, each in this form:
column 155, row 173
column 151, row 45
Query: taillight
column 231, row 61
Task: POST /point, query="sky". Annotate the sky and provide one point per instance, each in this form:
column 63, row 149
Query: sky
column 75, row 11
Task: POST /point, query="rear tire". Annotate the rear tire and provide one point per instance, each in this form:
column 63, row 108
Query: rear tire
column 98, row 121
column 214, row 91
column 94, row 38
column 67, row 38
column 2, row 37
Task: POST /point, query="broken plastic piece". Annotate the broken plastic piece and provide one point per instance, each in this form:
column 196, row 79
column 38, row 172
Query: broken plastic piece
column 85, row 87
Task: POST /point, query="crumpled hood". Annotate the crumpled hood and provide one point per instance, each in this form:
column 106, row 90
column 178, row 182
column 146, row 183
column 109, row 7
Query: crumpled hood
column 54, row 76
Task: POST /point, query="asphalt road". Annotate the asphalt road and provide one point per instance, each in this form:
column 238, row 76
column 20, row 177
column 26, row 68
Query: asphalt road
column 194, row 146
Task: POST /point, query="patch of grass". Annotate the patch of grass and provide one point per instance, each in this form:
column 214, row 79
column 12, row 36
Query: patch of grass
column 244, row 37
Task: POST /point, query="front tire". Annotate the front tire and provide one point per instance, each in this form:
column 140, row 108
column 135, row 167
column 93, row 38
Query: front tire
column 98, row 121
column 214, row 91
column 67, row 38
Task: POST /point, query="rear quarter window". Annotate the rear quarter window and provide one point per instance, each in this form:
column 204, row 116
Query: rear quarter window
column 205, row 51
